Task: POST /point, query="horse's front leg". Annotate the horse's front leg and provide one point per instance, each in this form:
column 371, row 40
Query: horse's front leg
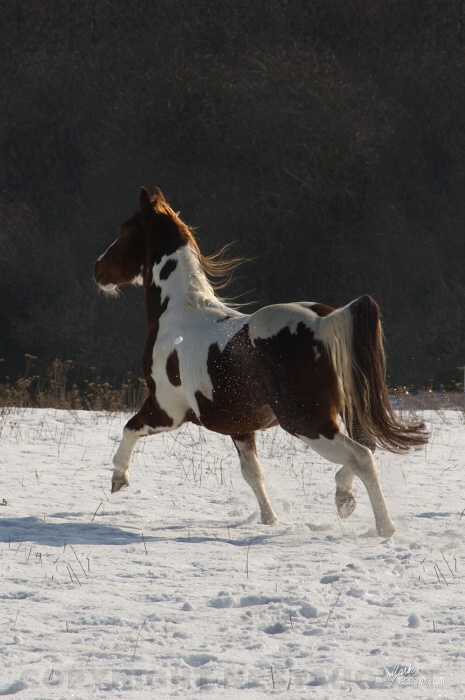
column 122, row 458
column 148, row 421
column 253, row 474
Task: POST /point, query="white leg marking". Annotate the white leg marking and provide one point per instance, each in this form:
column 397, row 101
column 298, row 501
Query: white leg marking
column 345, row 500
column 359, row 460
column 122, row 458
column 254, row 475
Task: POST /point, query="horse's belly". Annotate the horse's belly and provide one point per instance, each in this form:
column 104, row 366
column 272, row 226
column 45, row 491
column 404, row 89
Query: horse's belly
column 235, row 421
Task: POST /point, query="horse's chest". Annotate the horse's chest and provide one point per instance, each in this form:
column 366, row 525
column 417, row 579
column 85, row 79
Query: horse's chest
column 206, row 363
column 179, row 370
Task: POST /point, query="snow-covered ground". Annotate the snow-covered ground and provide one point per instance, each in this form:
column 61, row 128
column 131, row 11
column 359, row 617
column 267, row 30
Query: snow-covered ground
column 173, row 588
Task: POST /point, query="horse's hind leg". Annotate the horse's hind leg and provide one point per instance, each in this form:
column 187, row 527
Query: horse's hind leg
column 148, row 421
column 345, row 499
column 253, row 474
column 357, row 459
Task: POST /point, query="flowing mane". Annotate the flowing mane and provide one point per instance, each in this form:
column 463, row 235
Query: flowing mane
column 218, row 266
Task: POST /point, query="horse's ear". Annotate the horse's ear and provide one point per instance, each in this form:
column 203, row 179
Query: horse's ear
column 145, row 205
column 159, row 195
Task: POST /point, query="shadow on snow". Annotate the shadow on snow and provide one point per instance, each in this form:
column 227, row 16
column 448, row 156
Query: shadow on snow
column 56, row 534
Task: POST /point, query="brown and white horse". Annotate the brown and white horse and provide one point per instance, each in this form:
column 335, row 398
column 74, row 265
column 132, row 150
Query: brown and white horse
column 299, row 365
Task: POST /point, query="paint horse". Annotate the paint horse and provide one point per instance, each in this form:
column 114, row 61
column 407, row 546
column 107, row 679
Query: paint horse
column 300, row 365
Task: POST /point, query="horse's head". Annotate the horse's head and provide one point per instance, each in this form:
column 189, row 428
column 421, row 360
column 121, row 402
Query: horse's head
column 153, row 231
column 149, row 240
column 123, row 262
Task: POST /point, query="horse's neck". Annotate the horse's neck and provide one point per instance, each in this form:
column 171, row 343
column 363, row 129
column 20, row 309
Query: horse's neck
column 178, row 282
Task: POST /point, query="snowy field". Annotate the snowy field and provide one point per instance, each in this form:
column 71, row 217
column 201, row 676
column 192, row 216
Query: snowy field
column 172, row 588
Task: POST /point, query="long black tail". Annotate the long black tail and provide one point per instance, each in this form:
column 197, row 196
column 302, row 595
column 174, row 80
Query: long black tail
column 373, row 406
column 354, row 338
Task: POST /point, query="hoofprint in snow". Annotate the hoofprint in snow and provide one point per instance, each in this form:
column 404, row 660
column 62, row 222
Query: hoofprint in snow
column 172, row 587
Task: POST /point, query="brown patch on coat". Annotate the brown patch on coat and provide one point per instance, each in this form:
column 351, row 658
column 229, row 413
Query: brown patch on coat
column 172, row 369
column 151, row 411
column 165, row 232
column 124, row 259
column 305, row 395
column 322, row 309
column 276, row 378
column 151, row 415
column 168, row 268
column 240, row 396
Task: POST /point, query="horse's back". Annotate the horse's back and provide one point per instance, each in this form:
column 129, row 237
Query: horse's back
column 270, row 321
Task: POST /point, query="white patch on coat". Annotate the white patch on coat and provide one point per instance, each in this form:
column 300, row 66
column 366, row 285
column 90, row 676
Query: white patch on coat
column 270, row 320
column 190, row 325
column 200, row 330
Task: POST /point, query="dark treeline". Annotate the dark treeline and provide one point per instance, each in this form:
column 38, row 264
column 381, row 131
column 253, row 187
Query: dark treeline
column 326, row 138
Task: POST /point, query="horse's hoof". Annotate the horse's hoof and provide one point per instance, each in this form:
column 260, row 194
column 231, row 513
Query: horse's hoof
column 117, row 484
column 386, row 530
column 270, row 520
column 345, row 506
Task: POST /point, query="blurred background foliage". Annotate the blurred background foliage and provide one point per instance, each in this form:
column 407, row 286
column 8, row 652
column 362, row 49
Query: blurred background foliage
column 326, row 138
